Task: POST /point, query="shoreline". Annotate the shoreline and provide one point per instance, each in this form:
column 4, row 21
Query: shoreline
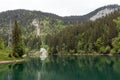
column 86, row 54
column 11, row 61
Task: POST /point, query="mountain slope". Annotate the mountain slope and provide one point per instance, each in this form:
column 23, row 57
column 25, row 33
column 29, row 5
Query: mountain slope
column 101, row 36
column 25, row 17
column 103, row 11
column 51, row 25
column 98, row 13
column 47, row 21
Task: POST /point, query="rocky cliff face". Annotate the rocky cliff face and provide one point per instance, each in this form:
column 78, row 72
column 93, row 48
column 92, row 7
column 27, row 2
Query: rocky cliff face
column 102, row 13
column 36, row 24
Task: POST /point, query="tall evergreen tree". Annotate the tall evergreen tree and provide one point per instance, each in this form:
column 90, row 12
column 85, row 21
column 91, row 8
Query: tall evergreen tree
column 17, row 44
column 2, row 43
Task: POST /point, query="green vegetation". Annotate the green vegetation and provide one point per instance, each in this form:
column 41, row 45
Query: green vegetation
column 2, row 43
column 4, row 51
column 4, row 54
column 17, row 49
column 101, row 36
column 116, row 40
column 17, row 43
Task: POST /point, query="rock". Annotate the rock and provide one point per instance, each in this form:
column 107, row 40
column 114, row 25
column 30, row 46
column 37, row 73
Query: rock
column 44, row 54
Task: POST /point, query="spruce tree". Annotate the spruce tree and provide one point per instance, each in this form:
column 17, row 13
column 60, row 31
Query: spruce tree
column 17, row 44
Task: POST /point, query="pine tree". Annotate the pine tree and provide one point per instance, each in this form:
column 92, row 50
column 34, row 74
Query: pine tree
column 17, row 44
column 2, row 43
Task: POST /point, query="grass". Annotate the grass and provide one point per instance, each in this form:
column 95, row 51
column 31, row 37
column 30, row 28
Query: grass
column 4, row 54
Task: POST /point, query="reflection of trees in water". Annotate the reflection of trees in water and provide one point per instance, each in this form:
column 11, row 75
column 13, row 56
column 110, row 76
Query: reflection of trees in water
column 32, row 69
column 67, row 68
column 17, row 71
column 29, row 70
column 14, row 72
column 83, row 67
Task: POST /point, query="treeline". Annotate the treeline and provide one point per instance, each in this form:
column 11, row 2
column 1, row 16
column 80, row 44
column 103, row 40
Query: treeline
column 100, row 36
column 30, row 40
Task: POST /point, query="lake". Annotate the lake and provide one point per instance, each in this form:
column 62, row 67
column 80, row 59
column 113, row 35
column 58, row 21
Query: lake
column 63, row 68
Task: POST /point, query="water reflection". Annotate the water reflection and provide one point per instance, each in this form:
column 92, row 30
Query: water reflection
column 63, row 68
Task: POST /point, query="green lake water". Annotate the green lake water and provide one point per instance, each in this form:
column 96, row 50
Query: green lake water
column 63, row 68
